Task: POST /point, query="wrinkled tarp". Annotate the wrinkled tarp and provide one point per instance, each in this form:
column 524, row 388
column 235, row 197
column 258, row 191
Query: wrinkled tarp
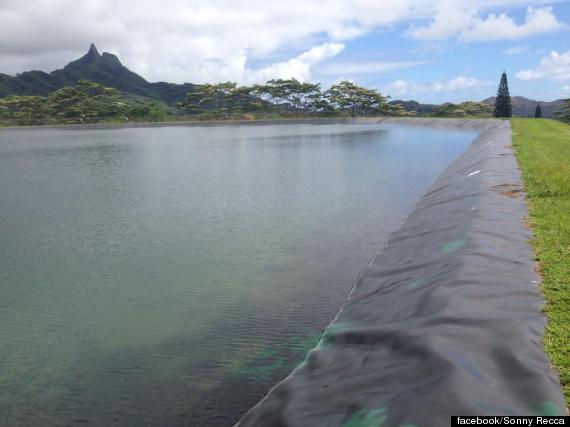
column 446, row 320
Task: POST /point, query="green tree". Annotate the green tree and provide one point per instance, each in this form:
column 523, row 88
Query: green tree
column 84, row 102
column 26, row 110
column 291, row 94
column 277, row 92
column 564, row 115
column 310, row 97
column 4, row 111
column 192, row 102
column 220, row 94
column 345, row 97
column 350, row 98
column 150, row 111
column 465, row 109
column 503, row 107
column 218, row 97
column 263, row 95
column 276, row 95
column 87, row 102
column 396, row 110
column 537, row 111
column 243, row 99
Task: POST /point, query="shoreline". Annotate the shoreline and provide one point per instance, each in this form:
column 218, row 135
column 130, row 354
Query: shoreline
column 185, row 123
column 190, row 123
column 445, row 319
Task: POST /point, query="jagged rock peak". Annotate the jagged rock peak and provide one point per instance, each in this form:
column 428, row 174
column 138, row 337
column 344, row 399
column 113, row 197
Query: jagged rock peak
column 93, row 50
column 91, row 57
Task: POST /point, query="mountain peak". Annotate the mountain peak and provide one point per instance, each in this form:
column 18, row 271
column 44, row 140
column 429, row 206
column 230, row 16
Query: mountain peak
column 93, row 50
column 92, row 56
column 103, row 68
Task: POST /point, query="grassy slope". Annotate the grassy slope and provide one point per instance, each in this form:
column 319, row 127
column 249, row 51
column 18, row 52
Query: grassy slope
column 543, row 152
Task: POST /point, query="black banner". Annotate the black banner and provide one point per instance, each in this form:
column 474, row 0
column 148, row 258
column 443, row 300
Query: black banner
column 509, row 421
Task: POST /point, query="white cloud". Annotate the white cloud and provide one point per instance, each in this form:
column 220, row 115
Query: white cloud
column 450, row 19
column 369, row 67
column 516, row 50
column 497, row 27
column 198, row 41
column 455, row 84
column 235, row 68
column 298, row 67
column 555, row 66
column 462, row 19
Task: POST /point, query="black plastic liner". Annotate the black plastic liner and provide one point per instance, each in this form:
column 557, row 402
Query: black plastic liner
column 446, row 320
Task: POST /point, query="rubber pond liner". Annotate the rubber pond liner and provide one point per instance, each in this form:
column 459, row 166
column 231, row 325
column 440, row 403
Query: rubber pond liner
column 445, row 320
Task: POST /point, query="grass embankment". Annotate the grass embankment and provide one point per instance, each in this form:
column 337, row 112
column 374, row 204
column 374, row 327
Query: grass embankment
column 543, row 151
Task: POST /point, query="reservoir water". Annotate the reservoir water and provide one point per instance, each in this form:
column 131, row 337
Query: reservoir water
column 170, row 276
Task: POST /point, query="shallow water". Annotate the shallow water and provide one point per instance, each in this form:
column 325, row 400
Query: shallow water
column 170, row 276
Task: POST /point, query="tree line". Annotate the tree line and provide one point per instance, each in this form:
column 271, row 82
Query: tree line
column 464, row 109
column 288, row 97
column 89, row 102
column 85, row 102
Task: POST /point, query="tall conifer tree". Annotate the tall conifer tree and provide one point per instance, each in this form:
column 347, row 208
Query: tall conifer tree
column 537, row 111
column 503, row 107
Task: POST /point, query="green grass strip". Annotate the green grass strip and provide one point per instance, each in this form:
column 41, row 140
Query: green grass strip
column 543, row 151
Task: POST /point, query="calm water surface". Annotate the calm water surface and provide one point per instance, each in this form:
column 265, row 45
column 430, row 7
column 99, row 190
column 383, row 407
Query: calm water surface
column 170, row 276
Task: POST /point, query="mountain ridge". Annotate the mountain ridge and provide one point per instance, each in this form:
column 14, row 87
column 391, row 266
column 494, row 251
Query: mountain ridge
column 105, row 69
column 524, row 107
column 413, row 105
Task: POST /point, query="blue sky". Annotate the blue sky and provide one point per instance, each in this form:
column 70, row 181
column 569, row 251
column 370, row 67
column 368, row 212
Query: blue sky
column 445, row 60
column 431, row 51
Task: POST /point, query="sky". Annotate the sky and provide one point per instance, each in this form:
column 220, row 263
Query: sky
column 430, row 51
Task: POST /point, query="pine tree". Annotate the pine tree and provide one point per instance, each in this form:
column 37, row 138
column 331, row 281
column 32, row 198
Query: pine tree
column 538, row 111
column 503, row 106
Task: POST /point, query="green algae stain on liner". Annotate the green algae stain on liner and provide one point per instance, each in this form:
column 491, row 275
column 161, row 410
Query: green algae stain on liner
column 453, row 246
column 367, row 418
column 261, row 365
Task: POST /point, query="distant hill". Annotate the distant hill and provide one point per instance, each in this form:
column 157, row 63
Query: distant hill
column 105, row 69
column 524, row 107
column 421, row 109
